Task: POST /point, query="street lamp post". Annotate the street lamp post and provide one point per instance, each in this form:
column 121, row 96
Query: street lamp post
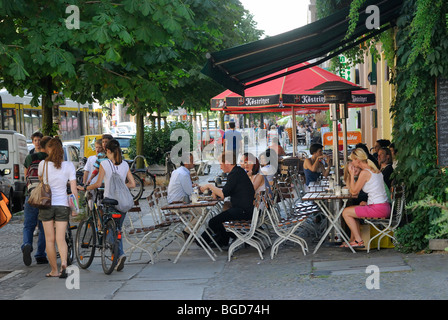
column 338, row 94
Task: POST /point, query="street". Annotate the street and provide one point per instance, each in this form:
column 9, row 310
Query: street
column 331, row 273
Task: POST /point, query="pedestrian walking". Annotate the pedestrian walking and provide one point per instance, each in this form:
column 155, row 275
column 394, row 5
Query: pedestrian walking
column 30, row 213
column 56, row 172
column 35, row 140
column 233, row 139
column 114, row 163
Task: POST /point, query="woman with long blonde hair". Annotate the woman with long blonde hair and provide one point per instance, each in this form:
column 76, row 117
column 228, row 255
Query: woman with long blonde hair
column 370, row 180
column 56, row 172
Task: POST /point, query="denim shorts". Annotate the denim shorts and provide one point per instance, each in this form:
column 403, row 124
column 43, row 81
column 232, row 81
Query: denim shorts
column 56, row 213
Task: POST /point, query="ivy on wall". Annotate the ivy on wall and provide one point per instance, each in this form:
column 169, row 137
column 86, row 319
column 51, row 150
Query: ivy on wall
column 422, row 56
column 419, row 46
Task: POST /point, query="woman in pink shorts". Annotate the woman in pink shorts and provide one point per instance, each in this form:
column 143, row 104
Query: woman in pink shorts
column 370, row 180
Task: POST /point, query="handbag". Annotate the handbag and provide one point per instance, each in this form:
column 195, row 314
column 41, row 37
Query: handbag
column 40, row 197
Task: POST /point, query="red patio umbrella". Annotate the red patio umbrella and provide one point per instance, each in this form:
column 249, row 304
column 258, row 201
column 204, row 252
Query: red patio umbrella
column 289, row 93
column 286, row 92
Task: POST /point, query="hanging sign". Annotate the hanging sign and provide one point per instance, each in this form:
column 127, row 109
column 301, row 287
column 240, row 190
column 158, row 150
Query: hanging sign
column 353, row 137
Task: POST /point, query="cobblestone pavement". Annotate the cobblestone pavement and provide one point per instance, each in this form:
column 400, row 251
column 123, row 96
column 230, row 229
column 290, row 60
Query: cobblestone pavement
column 331, row 273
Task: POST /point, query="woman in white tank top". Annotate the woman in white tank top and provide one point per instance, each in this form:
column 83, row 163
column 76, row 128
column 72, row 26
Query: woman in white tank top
column 370, row 180
column 114, row 163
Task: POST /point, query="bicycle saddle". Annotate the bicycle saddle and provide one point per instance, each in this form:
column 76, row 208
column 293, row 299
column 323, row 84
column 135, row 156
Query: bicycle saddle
column 110, row 202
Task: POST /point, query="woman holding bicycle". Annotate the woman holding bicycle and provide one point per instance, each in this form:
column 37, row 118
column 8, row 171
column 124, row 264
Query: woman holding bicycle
column 56, row 172
column 114, row 163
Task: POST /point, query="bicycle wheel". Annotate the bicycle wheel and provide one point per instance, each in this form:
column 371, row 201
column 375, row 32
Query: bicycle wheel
column 85, row 243
column 150, row 185
column 70, row 244
column 137, row 191
column 109, row 248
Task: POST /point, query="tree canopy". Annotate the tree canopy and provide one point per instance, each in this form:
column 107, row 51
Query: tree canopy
column 148, row 52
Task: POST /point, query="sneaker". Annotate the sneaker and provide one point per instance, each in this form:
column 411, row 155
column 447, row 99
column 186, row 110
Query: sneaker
column 41, row 260
column 120, row 264
column 26, row 251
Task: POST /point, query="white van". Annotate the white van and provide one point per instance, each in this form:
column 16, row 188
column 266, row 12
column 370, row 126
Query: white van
column 13, row 151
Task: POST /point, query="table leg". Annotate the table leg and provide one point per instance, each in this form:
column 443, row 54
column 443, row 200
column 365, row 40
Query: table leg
column 333, row 224
column 193, row 234
column 204, row 213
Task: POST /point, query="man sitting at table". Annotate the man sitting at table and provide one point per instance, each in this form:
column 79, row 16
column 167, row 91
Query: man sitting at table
column 241, row 192
column 180, row 182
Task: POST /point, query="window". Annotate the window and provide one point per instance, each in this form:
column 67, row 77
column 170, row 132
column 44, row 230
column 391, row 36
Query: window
column 4, row 151
column 124, row 142
column 9, row 119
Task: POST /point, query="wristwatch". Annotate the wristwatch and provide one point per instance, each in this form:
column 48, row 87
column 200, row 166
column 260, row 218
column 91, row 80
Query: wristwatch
column 85, row 188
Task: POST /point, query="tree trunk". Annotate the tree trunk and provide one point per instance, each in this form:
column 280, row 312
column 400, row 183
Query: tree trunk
column 158, row 118
column 47, row 108
column 139, row 137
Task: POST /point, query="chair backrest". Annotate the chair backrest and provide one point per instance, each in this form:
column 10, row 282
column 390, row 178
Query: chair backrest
column 271, row 208
column 398, row 203
column 257, row 208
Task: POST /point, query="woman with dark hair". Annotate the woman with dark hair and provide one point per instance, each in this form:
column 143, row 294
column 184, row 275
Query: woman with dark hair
column 313, row 167
column 56, row 172
column 252, row 166
column 114, row 163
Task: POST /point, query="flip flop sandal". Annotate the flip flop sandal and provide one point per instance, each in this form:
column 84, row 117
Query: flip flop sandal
column 49, row 275
column 63, row 274
column 357, row 245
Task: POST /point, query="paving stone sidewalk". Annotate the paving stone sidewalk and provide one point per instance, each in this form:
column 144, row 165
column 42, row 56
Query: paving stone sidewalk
column 331, row 273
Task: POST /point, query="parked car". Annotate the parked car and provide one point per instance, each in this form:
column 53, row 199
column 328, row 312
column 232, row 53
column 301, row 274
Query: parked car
column 88, row 145
column 125, row 142
column 71, row 153
column 13, row 151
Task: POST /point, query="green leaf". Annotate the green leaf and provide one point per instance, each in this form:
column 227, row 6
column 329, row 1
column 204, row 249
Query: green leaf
column 146, row 8
column 130, row 5
column 112, row 55
column 53, row 58
column 126, row 37
column 16, row 69
column 171, row 24
column 100, row 34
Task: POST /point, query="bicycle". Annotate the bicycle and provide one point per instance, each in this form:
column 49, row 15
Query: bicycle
column 70, row 244
column 99, row 231
column 144, row 179
column 169, row 164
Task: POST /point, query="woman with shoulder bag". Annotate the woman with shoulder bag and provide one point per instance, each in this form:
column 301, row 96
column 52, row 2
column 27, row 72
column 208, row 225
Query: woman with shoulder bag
column 116, row 164
column 56, row 173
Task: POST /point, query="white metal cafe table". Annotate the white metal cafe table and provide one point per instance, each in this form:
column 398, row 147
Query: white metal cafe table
column 322, row 199
column 193, row 225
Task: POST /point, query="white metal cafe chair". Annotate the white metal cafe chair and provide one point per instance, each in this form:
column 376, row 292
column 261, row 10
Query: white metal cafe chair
column 245, row 231
column 387, row 226
column 143, row 232
column 284, row 228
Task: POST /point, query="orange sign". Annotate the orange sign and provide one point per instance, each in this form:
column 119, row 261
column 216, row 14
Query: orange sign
column 353, row 137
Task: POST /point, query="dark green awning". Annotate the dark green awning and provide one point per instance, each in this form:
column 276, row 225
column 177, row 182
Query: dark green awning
column 234, row 68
